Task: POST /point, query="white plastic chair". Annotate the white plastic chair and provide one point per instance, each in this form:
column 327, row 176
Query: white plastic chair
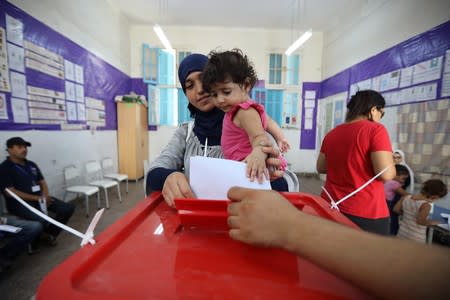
column 108, row 172
column 95, row 178
column 73, row 184
column 146, row 168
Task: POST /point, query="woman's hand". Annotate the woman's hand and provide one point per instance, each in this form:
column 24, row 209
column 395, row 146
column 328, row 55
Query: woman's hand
column 176, row 186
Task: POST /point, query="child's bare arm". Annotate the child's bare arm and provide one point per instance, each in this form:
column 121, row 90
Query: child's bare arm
column 250, row 121
column 401, row 192
column 398, row 207
column 422, row 216
column 277, row 133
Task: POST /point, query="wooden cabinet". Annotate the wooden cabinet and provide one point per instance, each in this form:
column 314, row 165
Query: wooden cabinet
column 132, row 136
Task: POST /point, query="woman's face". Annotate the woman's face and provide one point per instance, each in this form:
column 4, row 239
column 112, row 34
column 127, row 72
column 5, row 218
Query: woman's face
column 195, row 93
column 397, row 158
column 376, row 114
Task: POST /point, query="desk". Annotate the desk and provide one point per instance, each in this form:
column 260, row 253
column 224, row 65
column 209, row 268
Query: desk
column 436, row 215
column 150, row 254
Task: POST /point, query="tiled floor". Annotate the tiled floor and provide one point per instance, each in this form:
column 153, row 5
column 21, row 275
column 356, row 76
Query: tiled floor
column 23, row 279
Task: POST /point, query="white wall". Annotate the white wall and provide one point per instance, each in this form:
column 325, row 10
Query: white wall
column 256, row 43
column 102, row 30
column 390, row 23
column 53, row 150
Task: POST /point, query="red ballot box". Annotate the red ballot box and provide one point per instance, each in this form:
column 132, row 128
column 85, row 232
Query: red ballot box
column 156, row 252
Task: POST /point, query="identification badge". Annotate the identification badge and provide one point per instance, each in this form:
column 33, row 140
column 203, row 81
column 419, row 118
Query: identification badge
column 35, row 188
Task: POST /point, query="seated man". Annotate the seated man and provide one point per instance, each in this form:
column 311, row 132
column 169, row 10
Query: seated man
column 24, row 178
column 16, row 242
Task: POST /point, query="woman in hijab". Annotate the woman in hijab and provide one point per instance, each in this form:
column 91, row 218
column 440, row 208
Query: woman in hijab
column 167, row 171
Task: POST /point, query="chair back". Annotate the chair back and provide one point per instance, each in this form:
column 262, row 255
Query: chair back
column 93, row 171
column 71, row 176
column 146, row 168
column 107, row 165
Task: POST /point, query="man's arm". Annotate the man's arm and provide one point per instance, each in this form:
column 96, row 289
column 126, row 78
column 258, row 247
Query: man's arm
column 24, row 196
column 369, row 261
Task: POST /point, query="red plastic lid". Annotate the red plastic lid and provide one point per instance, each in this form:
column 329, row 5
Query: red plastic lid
column 151, row 254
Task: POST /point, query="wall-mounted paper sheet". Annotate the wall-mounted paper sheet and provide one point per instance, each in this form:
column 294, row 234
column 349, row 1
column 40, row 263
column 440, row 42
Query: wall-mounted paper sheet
column 211, row 178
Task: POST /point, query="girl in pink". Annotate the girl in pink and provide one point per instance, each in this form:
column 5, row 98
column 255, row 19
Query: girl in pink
column 229, row 77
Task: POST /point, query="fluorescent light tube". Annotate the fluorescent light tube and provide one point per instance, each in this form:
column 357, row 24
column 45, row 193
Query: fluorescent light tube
column 301, row 40
column 162, row 37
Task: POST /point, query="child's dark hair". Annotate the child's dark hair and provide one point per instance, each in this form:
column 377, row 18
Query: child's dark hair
column 227, row 65
column 362, row 102
column 401, row 170
column 434, row 187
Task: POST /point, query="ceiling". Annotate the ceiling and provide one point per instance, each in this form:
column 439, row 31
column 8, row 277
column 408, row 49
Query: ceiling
column 320, row 15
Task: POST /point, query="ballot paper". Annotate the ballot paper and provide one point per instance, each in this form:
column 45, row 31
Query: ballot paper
column 9, row 228
column 211, row 178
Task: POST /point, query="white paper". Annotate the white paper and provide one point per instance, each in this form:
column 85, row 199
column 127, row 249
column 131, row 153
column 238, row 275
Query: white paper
column 427, row 70
column 9, row 228
column 14, row 30
column 79, row 93
column 79, row 74
column 70, row 91
column 71, row 111
column 3, row 110
column 389, row 81
column 18, row 85
column 309, row 113
column 69, row 71
column 310, row 94
column 406, row 76
column 19, row 110
column 15, row 58
column 310, row 103
column 211, row 178
column 81, row 112
column 445, row 89
column 308, row 124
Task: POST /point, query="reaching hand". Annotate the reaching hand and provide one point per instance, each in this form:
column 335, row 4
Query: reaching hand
column 260, row 217
column 284, row 146
column 176, row 186
column 273, row 162
column 256, row 165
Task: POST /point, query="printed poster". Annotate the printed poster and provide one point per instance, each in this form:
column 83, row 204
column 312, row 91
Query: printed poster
column 4, row 69
column 3, row 110
column 71, row 111
column 69, row 70
column 79, row 78
column 70, row 91
column 18, row 85
column 19, row 110
column 14, row 30
column 15, row 58
column 79, row 93
column 81, row 112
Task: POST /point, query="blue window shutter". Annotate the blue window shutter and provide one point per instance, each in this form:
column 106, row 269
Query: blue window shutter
column 274, row 104
column 166, row 104
column 166, row 62
column 149, row 64
column 184, row 115
column 293, row 65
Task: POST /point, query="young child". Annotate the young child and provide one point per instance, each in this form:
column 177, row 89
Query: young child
column 415, row 209
column 229, row 76
column 393, row 191
column 394, row 186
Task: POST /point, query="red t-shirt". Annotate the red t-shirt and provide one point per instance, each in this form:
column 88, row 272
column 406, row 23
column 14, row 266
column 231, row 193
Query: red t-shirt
column 347, row 150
